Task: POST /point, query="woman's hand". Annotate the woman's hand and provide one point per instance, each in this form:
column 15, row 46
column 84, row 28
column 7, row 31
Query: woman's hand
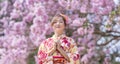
column 52, row 50
column 62, row 51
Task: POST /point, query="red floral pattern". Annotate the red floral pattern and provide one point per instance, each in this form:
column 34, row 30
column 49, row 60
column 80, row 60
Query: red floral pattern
column 42, row 55
column 64, row 40
column 76, row 57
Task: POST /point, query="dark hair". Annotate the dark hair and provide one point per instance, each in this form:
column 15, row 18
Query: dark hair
column 59, row 15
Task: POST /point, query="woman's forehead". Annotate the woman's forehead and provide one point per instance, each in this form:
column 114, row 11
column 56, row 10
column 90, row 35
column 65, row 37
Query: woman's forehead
column 57, row 17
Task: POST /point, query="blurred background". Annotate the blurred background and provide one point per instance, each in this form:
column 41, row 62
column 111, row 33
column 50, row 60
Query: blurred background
column 93, row 24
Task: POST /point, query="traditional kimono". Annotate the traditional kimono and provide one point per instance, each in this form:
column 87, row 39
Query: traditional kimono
column 67, row 44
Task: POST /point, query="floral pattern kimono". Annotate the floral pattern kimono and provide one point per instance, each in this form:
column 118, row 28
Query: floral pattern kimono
column 67, row 44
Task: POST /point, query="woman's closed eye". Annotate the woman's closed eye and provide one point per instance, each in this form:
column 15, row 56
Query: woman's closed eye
column 57, row 22
column 54, row 22
column 61, row 21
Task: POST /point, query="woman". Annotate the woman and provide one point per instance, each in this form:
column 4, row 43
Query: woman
column 59, row 49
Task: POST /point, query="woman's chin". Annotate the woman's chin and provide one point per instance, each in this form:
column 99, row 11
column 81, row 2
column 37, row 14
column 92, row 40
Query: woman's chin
column 58, row 30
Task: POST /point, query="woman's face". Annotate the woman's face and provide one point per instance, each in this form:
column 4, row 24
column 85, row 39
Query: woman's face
column 58, row 24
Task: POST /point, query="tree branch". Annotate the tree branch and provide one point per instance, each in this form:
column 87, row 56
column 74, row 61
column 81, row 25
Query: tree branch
column 107, row 42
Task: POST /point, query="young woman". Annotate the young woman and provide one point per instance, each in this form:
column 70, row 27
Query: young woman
column 58, row 49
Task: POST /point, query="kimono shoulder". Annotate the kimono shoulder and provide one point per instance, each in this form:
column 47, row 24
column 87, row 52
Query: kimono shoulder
column 68, row 39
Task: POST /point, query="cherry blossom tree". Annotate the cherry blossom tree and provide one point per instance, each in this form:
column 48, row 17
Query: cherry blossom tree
column 93, row 24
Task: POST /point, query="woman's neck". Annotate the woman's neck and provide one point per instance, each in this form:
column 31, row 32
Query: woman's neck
column 58, row 34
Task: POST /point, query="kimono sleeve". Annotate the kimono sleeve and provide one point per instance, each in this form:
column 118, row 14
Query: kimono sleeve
column 74, row 54
column 42, row 55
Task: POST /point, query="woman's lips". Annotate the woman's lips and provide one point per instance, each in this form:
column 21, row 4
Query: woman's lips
column 57, row 26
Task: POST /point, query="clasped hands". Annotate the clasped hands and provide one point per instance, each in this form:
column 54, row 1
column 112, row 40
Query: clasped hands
column 57, row 46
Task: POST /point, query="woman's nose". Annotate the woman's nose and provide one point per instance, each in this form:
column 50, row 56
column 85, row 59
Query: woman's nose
column 58, row 22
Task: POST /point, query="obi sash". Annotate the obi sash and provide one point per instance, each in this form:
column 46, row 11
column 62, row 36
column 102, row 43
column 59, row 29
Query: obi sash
column 59, row 60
